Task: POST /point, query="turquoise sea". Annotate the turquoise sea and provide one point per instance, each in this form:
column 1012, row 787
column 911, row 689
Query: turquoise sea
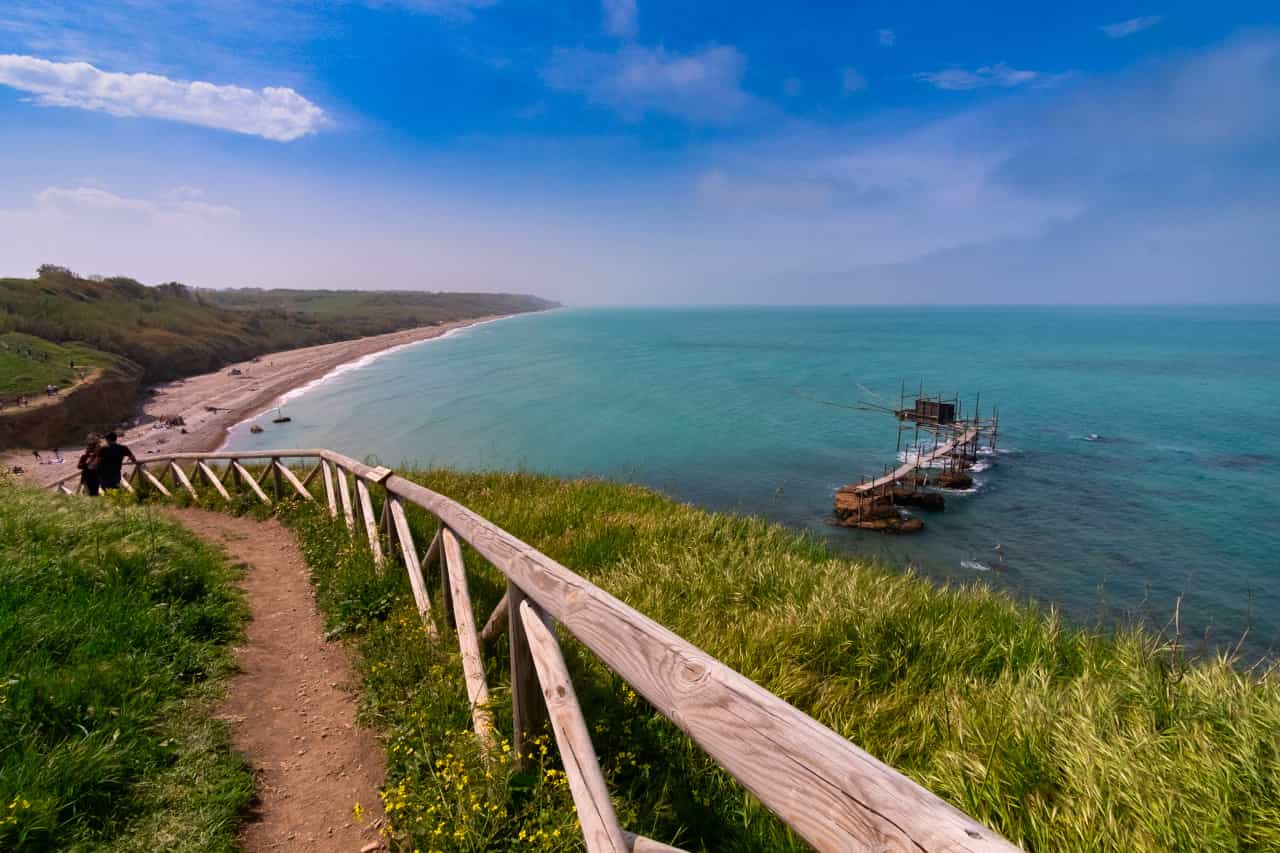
column 1178, row 494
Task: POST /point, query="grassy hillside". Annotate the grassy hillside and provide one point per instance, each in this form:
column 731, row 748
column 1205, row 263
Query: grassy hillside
column 173, row 331
column 28, row 364
column 114, row 633
column 1061, row 738
column 374, row 311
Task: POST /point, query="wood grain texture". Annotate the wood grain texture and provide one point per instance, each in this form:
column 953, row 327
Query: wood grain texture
column 497, row 621
column 247, row 479
column 155, row 482
column 640, row 844
column 330, row 498
column 833, row 794
column 213, row 480
column 468, row 641
column 596, row 816
column 830, row 792
column 370, row 524
column 404, row 534
column 344, row 491
column 528, row 710
column 293, row 480
column 181, row 477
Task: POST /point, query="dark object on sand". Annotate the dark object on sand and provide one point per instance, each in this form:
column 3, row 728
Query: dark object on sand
column 255, row 429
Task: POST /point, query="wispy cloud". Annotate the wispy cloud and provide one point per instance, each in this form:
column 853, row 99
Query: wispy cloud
column 276, row 113
column 619, row 17
column 887, row 37
column 180, row 202
column 852, row 80
column 960, row 79
column 1134, row 25
column 703, row 86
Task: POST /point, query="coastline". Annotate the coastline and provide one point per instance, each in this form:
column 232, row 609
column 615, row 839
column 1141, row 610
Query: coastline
column 212, row 404
column 442, row 331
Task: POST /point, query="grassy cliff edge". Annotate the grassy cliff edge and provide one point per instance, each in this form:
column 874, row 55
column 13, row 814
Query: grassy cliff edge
column 1060, row 737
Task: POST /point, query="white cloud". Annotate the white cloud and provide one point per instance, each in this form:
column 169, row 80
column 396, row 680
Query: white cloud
column 276, row 113
column 703, row 86
column 1133, row 25
column 179, row 202
column 851, row 80
column 960, row 79
column 887, row 37
column 619, row 17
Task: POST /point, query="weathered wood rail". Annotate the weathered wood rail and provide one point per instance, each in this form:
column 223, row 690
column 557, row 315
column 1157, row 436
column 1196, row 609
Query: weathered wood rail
column 825, row 788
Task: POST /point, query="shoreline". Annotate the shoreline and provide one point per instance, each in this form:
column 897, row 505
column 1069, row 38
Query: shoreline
column 445, row 330
column 210, row 405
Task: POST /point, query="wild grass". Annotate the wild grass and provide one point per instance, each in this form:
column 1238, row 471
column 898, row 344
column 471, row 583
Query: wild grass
column 1060, row 737
column 28, row 364
column 114, row 635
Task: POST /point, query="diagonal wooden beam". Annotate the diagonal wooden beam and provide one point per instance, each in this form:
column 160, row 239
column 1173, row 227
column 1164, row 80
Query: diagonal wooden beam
column 212, row 479
column 344, row 490
column 370, row 526
column 297, row 484
column 248, row 480
column 596, row 816
column 497, row 621
column 410, row 553
column 306, row 481
column 468, row 642
column 181, row 477
column 329, row 496
column 155, row 481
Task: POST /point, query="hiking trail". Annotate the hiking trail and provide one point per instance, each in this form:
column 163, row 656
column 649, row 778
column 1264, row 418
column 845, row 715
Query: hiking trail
column 289, row 708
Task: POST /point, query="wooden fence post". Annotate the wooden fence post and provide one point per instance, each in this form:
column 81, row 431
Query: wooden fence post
column 468, row 641
column 329, row 496
column 596, row 816
column 410, row 553
column 528, row 711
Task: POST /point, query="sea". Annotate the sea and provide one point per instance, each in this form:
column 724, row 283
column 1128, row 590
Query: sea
column 1136, row 471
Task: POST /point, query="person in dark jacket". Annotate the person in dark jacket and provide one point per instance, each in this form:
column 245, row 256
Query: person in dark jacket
column 88, row 466
column 111, row 459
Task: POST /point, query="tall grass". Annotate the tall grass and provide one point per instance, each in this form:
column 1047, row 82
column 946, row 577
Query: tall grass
column 114, row 634
column 1059, row 737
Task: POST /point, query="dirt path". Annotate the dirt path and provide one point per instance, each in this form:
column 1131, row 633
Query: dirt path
column 289, row 710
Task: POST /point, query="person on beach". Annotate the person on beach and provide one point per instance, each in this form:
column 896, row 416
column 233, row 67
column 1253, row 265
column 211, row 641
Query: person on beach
column 111, row 460
column 88, row 466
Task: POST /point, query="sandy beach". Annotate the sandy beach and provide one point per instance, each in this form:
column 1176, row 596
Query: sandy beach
column 210, row 404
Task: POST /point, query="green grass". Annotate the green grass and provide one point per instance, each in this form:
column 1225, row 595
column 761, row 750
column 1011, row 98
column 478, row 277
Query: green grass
column 29, row 364
column 172, row 330
column 115, row 628
column 1059, row 737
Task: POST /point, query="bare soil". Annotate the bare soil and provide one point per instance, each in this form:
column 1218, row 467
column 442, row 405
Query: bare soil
column 290, row 708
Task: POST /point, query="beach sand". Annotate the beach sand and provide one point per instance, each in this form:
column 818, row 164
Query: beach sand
column 233, row 398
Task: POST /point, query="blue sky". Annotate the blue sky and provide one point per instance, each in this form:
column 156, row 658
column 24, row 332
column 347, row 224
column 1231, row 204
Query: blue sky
column 635, row 152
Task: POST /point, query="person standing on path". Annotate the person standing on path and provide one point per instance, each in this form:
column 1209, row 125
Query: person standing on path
column 111, row 460
column 88, row 466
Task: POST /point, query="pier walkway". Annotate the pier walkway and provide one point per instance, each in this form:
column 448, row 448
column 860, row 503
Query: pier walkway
column 907, row 468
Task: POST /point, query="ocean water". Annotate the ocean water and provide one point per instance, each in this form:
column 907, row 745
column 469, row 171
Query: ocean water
column 731, row 409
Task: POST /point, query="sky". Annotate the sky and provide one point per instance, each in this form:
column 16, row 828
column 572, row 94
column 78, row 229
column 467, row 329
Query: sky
column 606, row 152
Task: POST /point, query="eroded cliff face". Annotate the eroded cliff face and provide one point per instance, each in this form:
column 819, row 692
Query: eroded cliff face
column 96, row 406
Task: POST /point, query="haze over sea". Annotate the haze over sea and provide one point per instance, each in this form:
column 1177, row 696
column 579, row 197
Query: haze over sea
column 1177, row 496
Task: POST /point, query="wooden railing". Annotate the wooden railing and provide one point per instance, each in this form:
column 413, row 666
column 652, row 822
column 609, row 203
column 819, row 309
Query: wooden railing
column 829, row 791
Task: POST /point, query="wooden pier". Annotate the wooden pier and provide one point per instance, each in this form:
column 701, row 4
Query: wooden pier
column 876, row 503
